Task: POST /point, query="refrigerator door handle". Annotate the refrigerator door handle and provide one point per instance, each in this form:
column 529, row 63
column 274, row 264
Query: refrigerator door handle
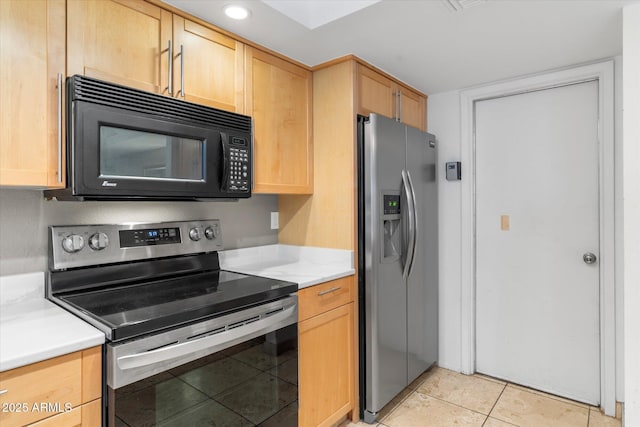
column 411, row 213
column 413, row 239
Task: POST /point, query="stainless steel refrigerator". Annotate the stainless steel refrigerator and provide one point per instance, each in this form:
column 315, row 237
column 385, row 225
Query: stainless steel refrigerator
column 397, row 257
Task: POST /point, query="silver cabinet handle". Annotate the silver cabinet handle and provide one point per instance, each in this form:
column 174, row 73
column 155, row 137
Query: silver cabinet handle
column 3, row 392
column 182, row 70
column 170, row 84
column 59, row 127
column 395, row 113
column 328, row 291
column 399, row 106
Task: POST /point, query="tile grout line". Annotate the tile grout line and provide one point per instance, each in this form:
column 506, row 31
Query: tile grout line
column 551, row 396
column 392, row 410
column 411, row 391
column 589, row 417
column 495, row 403
column 451, row 403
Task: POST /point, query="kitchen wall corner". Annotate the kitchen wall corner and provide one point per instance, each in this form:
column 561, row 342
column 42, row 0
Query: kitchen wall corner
column 25, row 216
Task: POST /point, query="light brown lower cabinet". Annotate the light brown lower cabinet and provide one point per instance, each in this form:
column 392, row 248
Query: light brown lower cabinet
column 326, row 358
column 87, row 415
column 63, row 391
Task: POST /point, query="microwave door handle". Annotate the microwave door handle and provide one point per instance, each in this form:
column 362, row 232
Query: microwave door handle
column 224, row 180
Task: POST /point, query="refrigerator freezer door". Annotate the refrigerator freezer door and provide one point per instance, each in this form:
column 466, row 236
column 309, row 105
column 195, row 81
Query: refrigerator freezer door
column 422, row 284
column 385, row 290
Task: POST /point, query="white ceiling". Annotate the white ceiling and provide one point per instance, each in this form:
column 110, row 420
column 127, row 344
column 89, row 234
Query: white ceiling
column 314, row 13
column 430, row 47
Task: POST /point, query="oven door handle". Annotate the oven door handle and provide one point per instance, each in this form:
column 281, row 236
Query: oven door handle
column 250, row 330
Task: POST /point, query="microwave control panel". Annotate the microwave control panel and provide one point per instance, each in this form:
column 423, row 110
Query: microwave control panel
column 239, row 179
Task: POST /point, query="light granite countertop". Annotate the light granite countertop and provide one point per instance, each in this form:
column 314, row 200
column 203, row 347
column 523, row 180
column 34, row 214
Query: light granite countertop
column 303, row 265
column 33, row 328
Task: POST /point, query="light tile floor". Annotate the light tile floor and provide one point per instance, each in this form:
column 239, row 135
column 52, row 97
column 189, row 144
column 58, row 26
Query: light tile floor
column 443, row 398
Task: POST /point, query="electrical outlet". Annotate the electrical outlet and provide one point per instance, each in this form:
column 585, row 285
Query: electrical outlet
column 274, row 221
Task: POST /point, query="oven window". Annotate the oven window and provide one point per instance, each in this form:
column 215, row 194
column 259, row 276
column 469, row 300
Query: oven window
column 138, row 154
column 254, row 383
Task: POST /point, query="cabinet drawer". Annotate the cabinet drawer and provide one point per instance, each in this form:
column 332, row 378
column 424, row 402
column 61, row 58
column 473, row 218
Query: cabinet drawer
column 87, row 415
column 41, row 390
column 325, row 296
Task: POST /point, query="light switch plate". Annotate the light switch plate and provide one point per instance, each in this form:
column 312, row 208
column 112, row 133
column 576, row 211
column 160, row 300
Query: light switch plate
column 274, row 221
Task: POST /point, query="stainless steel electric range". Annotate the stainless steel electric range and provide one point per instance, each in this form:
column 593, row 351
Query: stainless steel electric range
column 187, row 342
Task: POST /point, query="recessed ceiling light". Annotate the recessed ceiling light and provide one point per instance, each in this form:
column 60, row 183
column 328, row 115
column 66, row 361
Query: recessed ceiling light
column 235, row 11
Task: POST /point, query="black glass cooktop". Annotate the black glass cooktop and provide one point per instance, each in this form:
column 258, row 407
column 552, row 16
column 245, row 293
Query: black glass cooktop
column 130, row 310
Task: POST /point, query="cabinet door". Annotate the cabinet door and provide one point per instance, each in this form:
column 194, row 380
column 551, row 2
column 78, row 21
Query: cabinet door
column 376, row 93
column 413, row 109
column 210, row 70
column 325, row 366
column 37, row 391
column 279, row 100
column 32, row 52
column 87, row 415
column 120, row 41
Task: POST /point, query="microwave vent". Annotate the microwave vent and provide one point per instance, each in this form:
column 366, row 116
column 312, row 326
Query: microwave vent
column 82, row 88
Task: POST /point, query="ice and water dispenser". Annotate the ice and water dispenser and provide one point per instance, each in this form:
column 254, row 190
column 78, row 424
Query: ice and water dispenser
column 391, row 236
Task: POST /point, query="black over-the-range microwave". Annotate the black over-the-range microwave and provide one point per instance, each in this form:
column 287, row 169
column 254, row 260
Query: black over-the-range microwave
column 127, row 144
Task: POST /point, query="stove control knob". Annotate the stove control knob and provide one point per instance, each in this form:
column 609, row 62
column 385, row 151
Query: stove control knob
column 194, row 234
column 98, row 241
column 212, row 232
column 72, row 243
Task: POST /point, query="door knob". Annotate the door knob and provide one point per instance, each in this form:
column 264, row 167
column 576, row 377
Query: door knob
column 589, row 258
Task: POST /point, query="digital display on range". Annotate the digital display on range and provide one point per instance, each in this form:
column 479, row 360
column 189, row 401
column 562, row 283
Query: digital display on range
column 149, row 237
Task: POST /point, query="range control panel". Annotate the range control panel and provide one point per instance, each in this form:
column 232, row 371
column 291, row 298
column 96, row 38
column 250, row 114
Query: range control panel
column 88, row 245
column 149, row 236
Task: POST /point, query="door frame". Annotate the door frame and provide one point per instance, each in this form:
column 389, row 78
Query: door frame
column 603, row 72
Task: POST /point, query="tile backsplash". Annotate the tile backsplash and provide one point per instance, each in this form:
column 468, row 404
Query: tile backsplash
column 25, row 216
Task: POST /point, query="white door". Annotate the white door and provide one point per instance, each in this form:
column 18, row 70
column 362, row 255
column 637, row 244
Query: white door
column 537, row 300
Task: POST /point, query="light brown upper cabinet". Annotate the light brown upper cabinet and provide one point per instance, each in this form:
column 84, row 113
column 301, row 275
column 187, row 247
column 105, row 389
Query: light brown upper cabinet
column 208, row 66
column 124, row 42
column 376, row 93
column 141, row 45
column 412, row 108
column 382, row 95
column 32, row 58
column 278, row 97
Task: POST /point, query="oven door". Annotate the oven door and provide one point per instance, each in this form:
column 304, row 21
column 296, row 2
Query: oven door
column 238, row 369
column 117, row 153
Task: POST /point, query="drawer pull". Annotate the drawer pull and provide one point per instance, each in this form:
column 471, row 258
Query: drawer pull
column 328, row 291
column 3, row 392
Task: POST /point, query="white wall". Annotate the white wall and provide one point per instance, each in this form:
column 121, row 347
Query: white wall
column 631, row 135
column 445, row 122
column 25, row 216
